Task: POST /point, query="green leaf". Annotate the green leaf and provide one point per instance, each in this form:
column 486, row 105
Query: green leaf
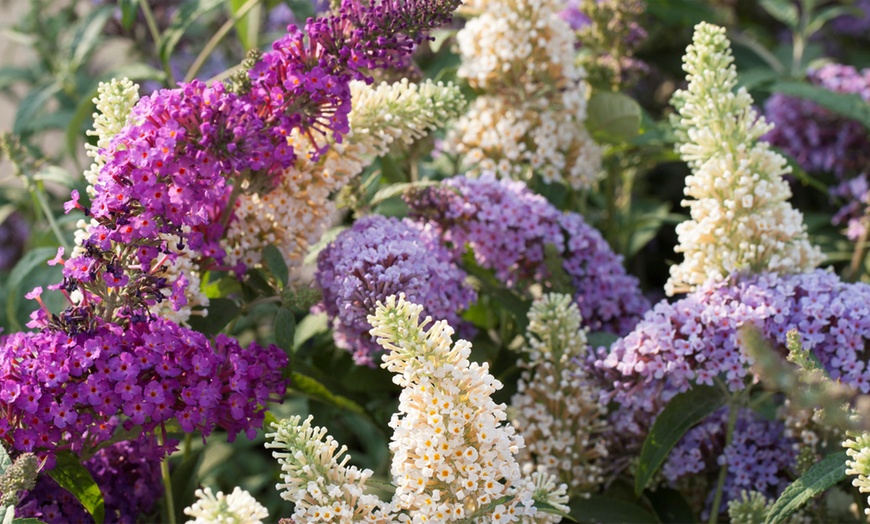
column 55, row 174
column 821, row 476
column 128, row 12
column 277, row 266
column 309, row 327
column 32, row 105
column 221, row 287
column 73, row 477
column 560, row 281
column 399, row 189
column 302, row 9
column 31, row 260
column 609, row 510
column 186, row 15
column 848, row 105
column 184, row 481
column 5, row 460
column 285, row 328
column 601, row 338
column 9, row 75
column 311, row 388
column 757, row 76
column 220, row 312
column 247, row 26
column 826, row 15
column 613, row 116
column 391, row 171
column 27, row 521
column 87, row 36
column 325, row 240
column 671, row 506
column 783, row 10
column 682, row 412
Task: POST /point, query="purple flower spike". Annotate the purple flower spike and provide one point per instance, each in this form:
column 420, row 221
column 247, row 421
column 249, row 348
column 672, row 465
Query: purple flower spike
column 508, row 228
column 379, row 257
column 69, row 391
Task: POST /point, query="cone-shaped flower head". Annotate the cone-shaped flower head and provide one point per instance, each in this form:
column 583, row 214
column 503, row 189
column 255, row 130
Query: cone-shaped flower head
column 453, row 454
column 741, row 219
column 316, row 478
column 557, row 408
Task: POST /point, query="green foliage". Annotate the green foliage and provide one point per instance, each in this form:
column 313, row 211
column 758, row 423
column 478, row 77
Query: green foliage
column 73, row 477
column 613, row 117
column 610, row 510
column 824, row 474
column 682, row 412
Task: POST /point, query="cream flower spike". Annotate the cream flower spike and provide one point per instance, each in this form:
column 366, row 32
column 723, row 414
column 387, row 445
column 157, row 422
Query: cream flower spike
column 453, row 453
column 556, row 409
column 322, row 488
column 115, row 100
column 858, row 463
column 530, row 117
column 740, row 216
column 239, row 507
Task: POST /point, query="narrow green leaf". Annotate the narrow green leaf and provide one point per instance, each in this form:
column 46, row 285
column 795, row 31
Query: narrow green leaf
column 7, row 514
column 128, row 12
column 32, row 105
column 220, row 312
column 302, row 9
column 826, row 15
column 682, row 412
column 285, row 329
column 9, row 75
column 187, row 14
column 73, row 477
column 613, row 116
column 309, row 327
column 398, row 189
column 247, row 26
column 609, row 510
column 27, row 521
column 28, row 263
column 325, row 240
column 783, row 10
column 87, row 35
column 311, row 388
column 821, row 476
column 55, row 174
column 277, row 266
column 848, row 105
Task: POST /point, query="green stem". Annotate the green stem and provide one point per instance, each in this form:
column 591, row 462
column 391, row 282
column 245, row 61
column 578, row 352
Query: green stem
column 37, row 193
column 856, row 265
column 217, row 37
column 734, row 409
column 188, row 439
column 151, row 21
column 167, row 482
